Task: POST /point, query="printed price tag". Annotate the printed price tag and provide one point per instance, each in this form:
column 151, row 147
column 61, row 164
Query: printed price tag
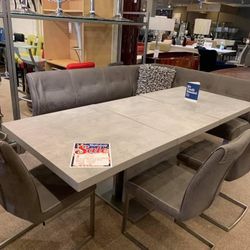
column 91, row 155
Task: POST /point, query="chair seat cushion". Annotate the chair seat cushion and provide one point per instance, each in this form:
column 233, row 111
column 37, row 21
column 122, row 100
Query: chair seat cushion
column 231, row 129
column 53, row 191
column 163, row 185
column 197, row 153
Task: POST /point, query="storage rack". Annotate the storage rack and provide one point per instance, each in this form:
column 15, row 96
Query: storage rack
column 8, row 15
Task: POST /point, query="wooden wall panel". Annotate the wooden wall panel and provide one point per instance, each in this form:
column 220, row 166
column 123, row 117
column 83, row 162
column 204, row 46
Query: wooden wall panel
column 52, row 5
column 98, row 37
column 75, row 5
column 56, row 40
column 97, row 43
column 103, row 8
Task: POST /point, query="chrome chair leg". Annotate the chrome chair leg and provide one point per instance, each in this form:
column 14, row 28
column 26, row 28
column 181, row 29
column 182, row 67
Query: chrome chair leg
column 13, row 238
column 124, row 224
column 196, row 235
column 140, row 245
column 217, row 223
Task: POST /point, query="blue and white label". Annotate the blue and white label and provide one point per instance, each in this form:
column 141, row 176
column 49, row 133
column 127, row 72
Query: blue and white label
column 192, row 91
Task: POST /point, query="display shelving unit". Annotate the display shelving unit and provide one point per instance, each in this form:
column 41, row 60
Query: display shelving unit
column 10, row 60
column 8, row 15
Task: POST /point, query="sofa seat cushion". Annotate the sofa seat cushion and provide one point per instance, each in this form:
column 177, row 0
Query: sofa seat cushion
column 153, row 78
column 197, row 153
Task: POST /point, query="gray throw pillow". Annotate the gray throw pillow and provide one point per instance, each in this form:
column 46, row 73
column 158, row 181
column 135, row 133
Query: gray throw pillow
column 154, row 77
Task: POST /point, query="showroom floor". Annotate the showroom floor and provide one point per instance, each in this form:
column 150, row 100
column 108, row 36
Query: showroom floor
column 70, row 230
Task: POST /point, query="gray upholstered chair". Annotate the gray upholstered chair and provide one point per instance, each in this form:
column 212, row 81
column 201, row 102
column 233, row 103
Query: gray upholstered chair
column 35, row 194
column 230, row 130
column 196, row 154
column 181, row 192
column 233, row 128
column 247, row 59
column 241, row 61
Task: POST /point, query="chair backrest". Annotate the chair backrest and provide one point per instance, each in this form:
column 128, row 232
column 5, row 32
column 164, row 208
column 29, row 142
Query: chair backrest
column 81, row 65
column 18, row 194
column 19, row 37
column 247, row 59
column 208, row 59
column 207, row 181
column 39, row 46
column 31, row 40
column 242, row 56
column 242, row 165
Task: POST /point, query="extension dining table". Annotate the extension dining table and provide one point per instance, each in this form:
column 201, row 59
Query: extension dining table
column 137, row 128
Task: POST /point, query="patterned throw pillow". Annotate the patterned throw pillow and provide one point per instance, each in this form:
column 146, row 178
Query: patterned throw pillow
column 154, row 77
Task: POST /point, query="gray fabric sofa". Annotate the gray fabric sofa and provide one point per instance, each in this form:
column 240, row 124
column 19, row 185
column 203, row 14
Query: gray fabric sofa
column 58, row 90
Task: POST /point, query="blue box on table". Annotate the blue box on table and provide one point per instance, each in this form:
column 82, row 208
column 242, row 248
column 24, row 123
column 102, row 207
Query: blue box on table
column 192, row 91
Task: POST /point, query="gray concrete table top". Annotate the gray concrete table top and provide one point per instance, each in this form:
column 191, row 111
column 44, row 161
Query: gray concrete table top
column 137, row 128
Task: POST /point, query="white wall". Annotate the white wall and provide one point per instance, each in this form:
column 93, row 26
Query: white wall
column 24, row 26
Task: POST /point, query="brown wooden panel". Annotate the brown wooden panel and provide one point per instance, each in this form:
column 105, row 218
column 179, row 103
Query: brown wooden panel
column 56, row 40
column 181, row 59
column 98, row 43
column 76, row 5
column 102, row 8
column 130, row 33
column 46, row 4
column 98, row 37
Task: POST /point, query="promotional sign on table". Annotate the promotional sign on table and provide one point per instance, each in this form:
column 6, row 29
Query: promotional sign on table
column 91, row 155
column 192, row 91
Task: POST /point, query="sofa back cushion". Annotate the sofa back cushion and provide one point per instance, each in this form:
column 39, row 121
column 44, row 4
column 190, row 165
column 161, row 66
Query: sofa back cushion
column 153, row 77
column 215, row 83
column 58, row 90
